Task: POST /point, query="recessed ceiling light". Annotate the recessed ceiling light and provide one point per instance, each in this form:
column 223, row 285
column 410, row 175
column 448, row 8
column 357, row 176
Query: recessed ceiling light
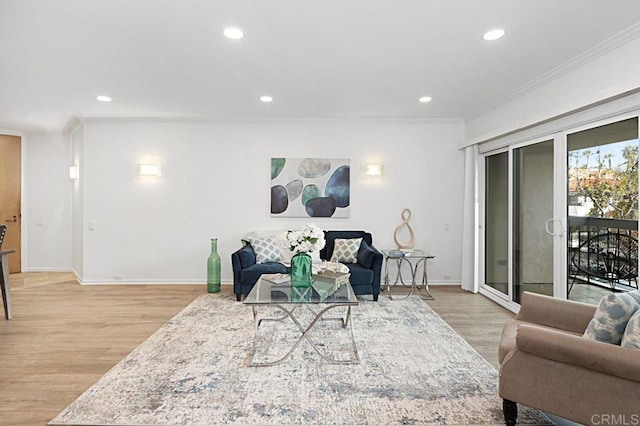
column 494, row 34
column 266, row 98
column 103, row 98
column 233, row 33
column 425, row 99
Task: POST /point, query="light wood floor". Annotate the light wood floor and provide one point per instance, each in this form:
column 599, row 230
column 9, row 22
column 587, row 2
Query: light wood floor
column 63, row 336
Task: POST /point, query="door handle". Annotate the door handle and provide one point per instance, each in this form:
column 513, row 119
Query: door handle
column 554, row 233
column 15, row 219
column 546, row 226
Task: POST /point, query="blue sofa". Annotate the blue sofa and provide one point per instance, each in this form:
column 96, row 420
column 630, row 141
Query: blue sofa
column 365, row 275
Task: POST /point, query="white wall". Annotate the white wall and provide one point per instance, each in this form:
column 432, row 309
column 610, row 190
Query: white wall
column 48, row 202
column 216, row 180
column 613, row 73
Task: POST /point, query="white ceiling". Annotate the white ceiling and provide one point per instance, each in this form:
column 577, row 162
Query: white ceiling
column 323, row 58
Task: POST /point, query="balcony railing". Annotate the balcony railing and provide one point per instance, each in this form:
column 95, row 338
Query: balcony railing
column 603, row 252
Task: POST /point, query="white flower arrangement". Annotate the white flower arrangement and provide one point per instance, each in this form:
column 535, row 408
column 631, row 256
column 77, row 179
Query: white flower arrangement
column 308, row 239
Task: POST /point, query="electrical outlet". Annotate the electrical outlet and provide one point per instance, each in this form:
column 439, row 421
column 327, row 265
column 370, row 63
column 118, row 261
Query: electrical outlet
column 40, row 222
column 117, row 277
column 91, row 226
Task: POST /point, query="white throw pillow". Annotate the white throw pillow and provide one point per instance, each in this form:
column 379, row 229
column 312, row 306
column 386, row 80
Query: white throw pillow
column 274, row 234
column 346, row 250
column 264, row 233
column 631, row 336
column 267, row 250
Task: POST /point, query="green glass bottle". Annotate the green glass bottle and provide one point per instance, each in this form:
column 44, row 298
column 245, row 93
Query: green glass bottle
column 301, row 270
column 213, row 268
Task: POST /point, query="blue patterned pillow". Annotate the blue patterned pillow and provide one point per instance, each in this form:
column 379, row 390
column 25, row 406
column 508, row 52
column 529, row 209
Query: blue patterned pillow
column 611, row 317
column 631, row 336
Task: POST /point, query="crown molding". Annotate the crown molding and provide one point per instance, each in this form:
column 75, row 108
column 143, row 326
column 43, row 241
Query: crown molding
column 622, row 38
column 10, row 132
column 72, row 125
column 615, row 107
column 214, row 120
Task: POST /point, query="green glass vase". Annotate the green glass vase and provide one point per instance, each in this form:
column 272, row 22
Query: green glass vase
column 213, row 268
column 301, row 270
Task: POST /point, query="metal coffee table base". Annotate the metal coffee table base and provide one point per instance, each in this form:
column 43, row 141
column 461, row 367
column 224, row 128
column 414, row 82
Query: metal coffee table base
column 305, row 333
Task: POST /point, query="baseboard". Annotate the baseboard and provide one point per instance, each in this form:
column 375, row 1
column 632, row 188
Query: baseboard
column 45, row 269
column 146, row 282
column 450, row 282
column 173, row 281
column 75, row 274
column 431, row 283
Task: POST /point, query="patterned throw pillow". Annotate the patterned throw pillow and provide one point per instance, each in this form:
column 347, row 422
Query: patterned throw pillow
column 611, row 317
column 631, row 336
column 267, row 250
column 346, row 250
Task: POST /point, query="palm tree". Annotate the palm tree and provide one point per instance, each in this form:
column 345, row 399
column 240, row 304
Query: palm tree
column 587, row 154
column 608, row 157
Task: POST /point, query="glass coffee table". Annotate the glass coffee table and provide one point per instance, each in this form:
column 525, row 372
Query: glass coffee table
column 320, row 298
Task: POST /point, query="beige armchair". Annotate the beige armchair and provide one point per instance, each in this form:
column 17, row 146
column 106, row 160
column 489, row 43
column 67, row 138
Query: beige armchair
column 545, row 363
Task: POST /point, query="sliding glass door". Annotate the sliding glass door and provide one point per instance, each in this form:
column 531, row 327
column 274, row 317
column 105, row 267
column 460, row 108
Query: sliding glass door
column 497, row 222
column 519, row 224
column 533, row 211
column 560, row 214
column 602, row 190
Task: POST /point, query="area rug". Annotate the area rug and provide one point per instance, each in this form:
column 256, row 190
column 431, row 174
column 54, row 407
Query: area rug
column 414, row 369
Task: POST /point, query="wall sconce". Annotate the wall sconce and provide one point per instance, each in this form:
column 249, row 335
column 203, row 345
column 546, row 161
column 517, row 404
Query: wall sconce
column 149, row 170
column 372, row 171
column 74, row 172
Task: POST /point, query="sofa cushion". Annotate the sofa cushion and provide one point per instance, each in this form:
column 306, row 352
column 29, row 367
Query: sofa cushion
column 251, row 274
column 366, row 255
column 346, row 250
column 267, row 250
column 359, row 274
column 631, row 336
column 611, row 317
column 247, row 256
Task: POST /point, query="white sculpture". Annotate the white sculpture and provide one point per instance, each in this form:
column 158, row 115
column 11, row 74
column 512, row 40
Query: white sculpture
column 409, row 244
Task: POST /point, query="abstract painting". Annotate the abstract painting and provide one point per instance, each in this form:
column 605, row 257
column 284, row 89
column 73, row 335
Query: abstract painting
column 310, row 187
